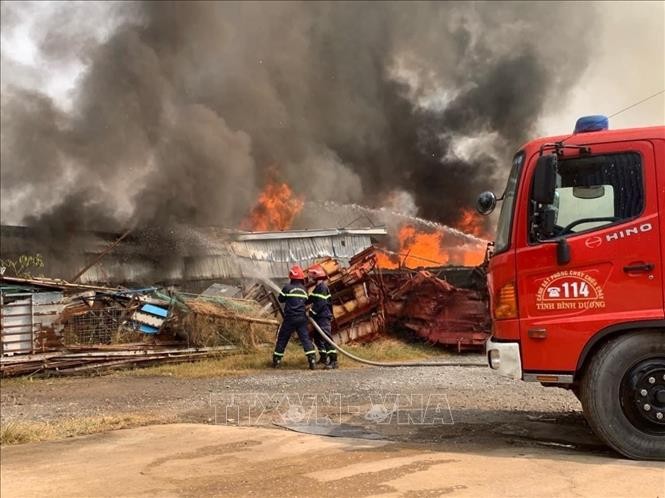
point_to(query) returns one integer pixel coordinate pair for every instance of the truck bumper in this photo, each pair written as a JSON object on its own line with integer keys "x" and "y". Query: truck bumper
{"x": 504, "y": 358}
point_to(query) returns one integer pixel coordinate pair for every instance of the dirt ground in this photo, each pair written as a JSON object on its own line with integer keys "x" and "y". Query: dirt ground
{"x": 204, "y": 460}
{"x": 480, "y": 407}
{"x": 425, "y": 431}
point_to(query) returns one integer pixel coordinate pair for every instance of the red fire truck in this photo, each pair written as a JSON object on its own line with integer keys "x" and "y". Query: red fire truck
{"x": 576, "y": 277}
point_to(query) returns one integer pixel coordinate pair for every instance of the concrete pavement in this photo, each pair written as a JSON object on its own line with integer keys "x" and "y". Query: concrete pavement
{"x": 196, "y": 459}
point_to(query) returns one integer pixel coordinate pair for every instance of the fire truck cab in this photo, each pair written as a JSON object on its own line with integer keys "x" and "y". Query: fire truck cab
{"x": 576, "y": 277}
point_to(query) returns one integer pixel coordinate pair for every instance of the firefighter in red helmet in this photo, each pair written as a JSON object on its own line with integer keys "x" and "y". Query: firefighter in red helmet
{"x": 322, "y": 314}
{"x": 294, "y": 296}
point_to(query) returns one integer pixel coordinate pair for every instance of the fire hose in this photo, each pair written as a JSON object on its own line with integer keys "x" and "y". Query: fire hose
{"x": 353, "y": 357}
{"x": 391, "y": 364}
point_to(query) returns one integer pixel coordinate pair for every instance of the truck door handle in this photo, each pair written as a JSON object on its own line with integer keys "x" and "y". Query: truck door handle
{"x": 639, "y": 267}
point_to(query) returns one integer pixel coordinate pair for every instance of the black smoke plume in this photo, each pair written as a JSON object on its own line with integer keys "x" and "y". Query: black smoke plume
{"x": 185, "y": 104}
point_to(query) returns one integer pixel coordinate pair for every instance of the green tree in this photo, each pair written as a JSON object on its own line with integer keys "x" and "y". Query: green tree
{"x": 22, "y": 267}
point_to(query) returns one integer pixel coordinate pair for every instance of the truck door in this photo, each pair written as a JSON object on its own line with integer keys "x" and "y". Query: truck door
{"x": 614, "y": 274}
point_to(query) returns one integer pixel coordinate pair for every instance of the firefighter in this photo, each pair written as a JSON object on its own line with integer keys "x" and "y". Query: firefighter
{"x": 294, "y": 296}
{"x": 322, "y": 314}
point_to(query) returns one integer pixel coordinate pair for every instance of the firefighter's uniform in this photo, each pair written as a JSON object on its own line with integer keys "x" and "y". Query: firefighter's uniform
{"x": 322, "y": 314}
{"x": 294, "y": 296}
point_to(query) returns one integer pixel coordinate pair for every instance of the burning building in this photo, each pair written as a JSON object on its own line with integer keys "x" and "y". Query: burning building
{"x": 192, "y": 257}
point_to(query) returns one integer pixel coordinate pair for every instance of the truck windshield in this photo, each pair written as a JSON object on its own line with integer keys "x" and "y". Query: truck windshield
{"x": 502, "y": 240}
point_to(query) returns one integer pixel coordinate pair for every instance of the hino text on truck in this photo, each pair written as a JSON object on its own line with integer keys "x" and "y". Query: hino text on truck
{"x": 576, "y": 277}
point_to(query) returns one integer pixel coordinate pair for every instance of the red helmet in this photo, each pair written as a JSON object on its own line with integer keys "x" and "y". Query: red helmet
{"x": 296, "y": 273}
{"x": 317, "y": 272}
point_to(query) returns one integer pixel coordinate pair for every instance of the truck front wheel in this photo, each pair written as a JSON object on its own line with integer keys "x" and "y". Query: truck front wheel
{"x": 623, "y": 394}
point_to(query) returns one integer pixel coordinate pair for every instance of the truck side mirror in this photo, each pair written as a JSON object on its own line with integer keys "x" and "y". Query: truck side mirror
{"x": 544, "y": 179}
{"x": 486, "y": 203}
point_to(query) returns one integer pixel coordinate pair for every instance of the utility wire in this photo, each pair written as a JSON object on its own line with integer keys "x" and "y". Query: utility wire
{"x": 622, "y": 110}
{"x": 636, "y": 104}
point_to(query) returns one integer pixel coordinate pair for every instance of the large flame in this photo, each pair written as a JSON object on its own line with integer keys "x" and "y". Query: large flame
{"x": 418, "y": 248}
{"x": 275, "y": 209}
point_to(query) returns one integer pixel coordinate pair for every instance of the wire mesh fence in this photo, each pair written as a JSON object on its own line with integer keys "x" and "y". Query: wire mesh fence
{"x": 102, "y": 325}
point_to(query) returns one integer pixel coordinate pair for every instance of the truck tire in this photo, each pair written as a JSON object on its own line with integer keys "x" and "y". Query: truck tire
{"x": 623, "y": 393}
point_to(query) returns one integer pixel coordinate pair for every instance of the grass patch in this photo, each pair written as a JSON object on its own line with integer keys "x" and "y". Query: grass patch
{"x": 385, "y": 349}
{"x": 257, "y": 359}
{"x": 18, "y": 381}
{"x": 19, "y": 432}
{"x": 388, "y": 349}
{"x": 223, "y": 366}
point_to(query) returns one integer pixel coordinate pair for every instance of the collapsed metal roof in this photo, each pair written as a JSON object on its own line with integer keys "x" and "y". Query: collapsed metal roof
{"x": 209, "y": 253}
{"x": 307, "y": 234}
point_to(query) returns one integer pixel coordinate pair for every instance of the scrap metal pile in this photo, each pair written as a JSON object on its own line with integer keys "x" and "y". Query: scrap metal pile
{"x": 52, "y": 326}
{"x": 446, "y": 306}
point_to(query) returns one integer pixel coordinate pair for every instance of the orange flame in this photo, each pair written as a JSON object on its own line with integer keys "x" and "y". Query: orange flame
{"x": 416, "y": 249}
{"x": 428, "y": 249}
{"x": 473, "y": 257}
{"x": 275, "y": 209}
{"x": 472, "y": 223}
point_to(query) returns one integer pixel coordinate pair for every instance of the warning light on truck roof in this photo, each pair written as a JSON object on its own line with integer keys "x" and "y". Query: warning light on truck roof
{"x": 586, "y": 124}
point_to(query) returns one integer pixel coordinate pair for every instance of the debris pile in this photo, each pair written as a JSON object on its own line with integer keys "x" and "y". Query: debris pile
{"x": 103, "y": 358}
{"x": 356, "y": 298}
{"x": 446, "y": 305}
{"x": 52, "y": 326}
{"x": 437, "y": 311}
{"x": 203, "y": 323}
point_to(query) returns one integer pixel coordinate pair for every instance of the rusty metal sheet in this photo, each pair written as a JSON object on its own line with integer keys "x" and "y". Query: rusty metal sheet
{"x": 368, "y": 301}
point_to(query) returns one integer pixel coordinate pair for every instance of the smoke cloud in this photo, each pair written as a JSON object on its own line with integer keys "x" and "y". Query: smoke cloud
{"x": 180, "y": 108}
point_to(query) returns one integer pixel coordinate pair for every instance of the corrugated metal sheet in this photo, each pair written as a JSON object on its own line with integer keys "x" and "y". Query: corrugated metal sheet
{"x": 308, "y": 234}
{"x": 290, "y": 250}
{"x": 204, "y": 254}
{"x": 272, "y": 258}
{"x": 16, "y": 326}
{"x": 29, "y": 320}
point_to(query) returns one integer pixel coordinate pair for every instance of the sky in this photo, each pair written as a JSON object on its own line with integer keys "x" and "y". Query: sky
{"x": 628, "y": 65}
